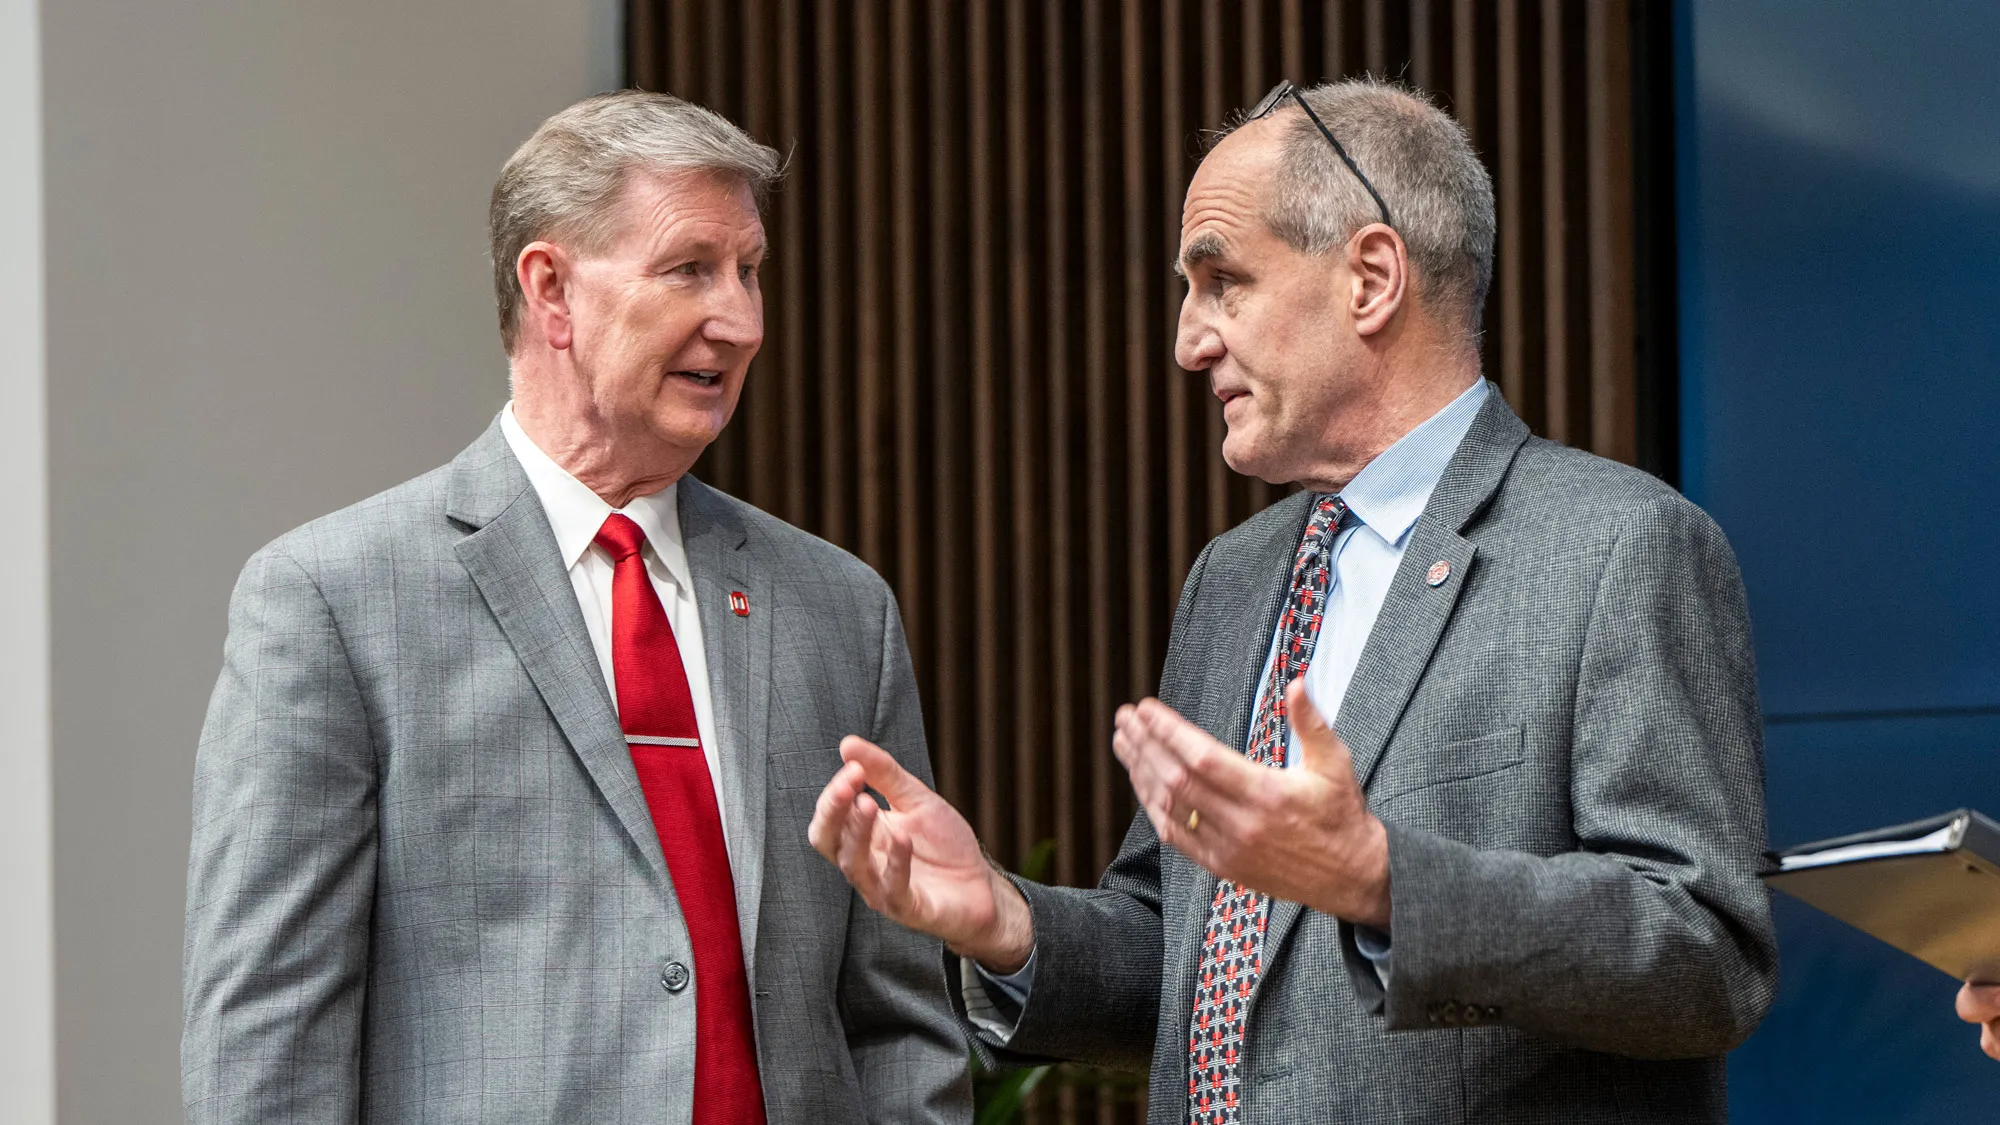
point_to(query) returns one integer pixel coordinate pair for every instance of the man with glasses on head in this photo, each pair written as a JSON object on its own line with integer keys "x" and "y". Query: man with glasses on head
{"x": 1453, "y": 791}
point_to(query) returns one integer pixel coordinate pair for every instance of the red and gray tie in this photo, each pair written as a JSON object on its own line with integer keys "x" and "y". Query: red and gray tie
{"x": 656, "y": 711}
{"x": 1232, "y": 951}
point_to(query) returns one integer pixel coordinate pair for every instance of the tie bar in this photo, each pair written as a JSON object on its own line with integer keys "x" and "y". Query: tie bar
{"x": 658, "y": 740}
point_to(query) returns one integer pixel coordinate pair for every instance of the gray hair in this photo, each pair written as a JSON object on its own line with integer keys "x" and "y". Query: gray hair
{"x": 564, "y": 182}
{"x": 1438, "y": 193}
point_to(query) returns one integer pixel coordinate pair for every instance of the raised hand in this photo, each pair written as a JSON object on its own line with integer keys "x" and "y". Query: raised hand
{"x": 1303, "y": 833}
{"x": 918, "y": 861}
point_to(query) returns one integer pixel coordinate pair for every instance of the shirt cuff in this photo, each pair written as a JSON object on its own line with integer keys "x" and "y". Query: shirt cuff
{"x": 993, "y": 1003}
{"x": 1376, "y": 946}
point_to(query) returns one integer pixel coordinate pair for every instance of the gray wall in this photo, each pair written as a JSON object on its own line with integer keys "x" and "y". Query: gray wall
{"x": 26, "y": 1020}
{"x": 267, "y": 298}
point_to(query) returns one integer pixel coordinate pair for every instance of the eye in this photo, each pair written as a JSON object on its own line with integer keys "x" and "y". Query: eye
{"x": 747, "y": 273}
{"x": 687, "y": 269}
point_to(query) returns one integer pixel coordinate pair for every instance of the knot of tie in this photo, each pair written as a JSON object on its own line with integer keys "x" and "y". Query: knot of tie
{"x": 620, "y": 537}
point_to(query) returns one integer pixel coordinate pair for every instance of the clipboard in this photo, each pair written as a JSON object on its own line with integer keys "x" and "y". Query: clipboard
{"x": 1931, "y": 888}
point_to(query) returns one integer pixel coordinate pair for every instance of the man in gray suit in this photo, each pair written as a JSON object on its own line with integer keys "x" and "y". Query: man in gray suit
{"x": 500, "y": 810}
{"x": 1509, "y": 872}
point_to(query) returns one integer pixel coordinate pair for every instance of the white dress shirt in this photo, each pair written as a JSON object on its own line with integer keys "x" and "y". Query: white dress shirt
{"x": 575, "y": 515}
{"x": 1385, "y": 497}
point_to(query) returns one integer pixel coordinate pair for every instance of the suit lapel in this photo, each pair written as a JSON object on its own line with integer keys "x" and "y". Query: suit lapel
{"x": 1416, "y": 609}
{"x": 512, "y": 557}
{"x": 739, "y": 662}
{"x": 1415, "y": 612}
{"x": 1394, "y": 659}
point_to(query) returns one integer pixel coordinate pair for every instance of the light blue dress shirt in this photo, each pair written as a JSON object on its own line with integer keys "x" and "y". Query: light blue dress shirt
{"x": 1385, "y": 497}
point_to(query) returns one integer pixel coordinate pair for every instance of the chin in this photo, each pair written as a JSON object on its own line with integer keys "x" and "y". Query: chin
{"x": 1242, "y": 453}
{"x": 689, "y": 425}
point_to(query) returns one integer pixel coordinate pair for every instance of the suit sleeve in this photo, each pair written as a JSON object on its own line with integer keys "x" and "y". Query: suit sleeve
{"x": 1653, "y": 938}
{"x": 909, "y": 1054}
{"x": 281, "y": 872}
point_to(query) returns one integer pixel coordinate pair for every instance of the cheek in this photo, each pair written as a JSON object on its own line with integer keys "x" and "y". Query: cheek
{"x": 656, "y": 325}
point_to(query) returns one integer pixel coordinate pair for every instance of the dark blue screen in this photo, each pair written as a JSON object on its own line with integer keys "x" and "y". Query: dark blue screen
{"x": 1839, "y": 224}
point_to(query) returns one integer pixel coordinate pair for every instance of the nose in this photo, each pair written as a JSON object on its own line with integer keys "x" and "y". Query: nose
{"x": 736, "y": 314}
{"x": 1197, "y": 345}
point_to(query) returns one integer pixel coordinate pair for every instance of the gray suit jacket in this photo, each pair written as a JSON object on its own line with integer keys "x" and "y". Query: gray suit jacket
{"x": 425, "y": 885}
{"x": 1563, "y": 739}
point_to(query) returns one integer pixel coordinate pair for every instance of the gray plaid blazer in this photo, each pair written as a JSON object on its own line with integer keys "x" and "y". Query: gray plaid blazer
{"x": 1563, "y": 739}
{"x": 424, "y": 883}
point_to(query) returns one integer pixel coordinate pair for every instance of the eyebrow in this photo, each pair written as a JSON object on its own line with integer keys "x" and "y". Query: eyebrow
{"x": 1204, "y": 246}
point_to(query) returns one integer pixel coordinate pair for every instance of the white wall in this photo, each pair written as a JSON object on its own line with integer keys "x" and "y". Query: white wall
{"x": 26, "y": 995}
{"x": 267, "y": 298}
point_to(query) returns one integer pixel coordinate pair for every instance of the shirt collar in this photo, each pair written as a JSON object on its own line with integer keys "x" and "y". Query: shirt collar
{"x": 1390, "y": 492}
{"x": 576, "y": 513}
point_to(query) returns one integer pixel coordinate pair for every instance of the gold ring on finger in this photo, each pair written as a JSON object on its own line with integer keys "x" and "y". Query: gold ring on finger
{"x": 1194, "y": 819}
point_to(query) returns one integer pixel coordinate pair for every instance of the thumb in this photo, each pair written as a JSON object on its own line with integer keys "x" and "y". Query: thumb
{"x": 1320, "y": 749}
{"x": 883, "y": 772}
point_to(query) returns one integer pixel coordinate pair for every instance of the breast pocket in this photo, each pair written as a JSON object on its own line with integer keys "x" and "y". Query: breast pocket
{"x": 804, "y": 769}
{"x": 1465, "y": 789}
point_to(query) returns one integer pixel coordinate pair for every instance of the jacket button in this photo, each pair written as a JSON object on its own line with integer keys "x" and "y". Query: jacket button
{"x": 675, "y": 977}
{"x": 1471, "y": 1014}
{"x": 1492, "y": 1013}
{"x": 1450, "y": 1014}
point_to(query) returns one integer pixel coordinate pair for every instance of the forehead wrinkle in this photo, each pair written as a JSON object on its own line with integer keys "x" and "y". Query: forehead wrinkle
{"x": 684, "y": 222}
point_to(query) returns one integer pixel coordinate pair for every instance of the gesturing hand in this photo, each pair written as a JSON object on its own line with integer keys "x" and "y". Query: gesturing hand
{"x": 1303, "y": 834}
{"x": 918, "y": 861}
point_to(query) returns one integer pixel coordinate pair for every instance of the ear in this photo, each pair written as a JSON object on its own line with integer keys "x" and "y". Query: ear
{"x": 1380, "y": 267}
{"x": 543, "y": 270}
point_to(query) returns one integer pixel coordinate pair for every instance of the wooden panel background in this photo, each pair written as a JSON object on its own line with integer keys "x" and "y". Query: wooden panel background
{"x": 968, "y": 375}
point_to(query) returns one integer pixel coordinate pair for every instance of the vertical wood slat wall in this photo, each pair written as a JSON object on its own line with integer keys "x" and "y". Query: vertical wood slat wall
{"x": 967, "y": 377}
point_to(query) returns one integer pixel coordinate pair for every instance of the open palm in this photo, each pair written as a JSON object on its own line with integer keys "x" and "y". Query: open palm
{"x": 918, "y": 861}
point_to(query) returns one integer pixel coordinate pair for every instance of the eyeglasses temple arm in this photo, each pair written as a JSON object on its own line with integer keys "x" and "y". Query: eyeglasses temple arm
{"x": 1351, "y": 165}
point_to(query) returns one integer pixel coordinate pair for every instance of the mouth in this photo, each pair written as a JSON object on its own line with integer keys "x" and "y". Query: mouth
{"x": 1230, "y": 394}
{"x": 700, "y": 378}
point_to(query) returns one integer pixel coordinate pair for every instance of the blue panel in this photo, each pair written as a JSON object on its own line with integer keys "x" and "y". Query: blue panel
{"x": 1841, "y": 303}
{"x": 1862, "y": 1032}
{"x": 1839, "y": 209}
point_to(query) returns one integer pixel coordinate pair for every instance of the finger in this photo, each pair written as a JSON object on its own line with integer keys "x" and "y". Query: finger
{"x": 1989, "y": 1039}
{"x": 831, "y": 811}
{"x": 893, "y": 871}
{"x": 1148, "y": 783}
{"x": 1320, "y": 749}
{"x": 883, "y": 772}
{"x": 856, "y": 844}
{"x": 1153, "y": 794}
{"x": 1979, "y": 1003}
{"x": 1207, "y": 769}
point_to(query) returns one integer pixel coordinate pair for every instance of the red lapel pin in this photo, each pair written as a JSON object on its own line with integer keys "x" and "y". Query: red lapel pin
{"x": 739, "y": 603}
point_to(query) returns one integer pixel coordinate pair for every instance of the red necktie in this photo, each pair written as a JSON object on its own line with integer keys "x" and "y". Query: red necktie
{"x": 1232, "y": 948}
{"x": 654, "y": 705}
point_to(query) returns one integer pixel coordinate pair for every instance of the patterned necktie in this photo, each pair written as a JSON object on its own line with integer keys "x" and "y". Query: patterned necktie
{"x": 656, "y": 710}
{"x": 1232, "y": 949}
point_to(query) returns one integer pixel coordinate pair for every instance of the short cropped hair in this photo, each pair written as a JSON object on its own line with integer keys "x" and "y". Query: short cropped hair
{"x": 1439, "y": 195}
{"x": 564, "y": 183}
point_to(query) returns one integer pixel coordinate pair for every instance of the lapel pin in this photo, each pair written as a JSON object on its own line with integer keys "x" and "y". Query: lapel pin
{"x": 739, "y": 603}
{"x": 1440, "y": 570}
